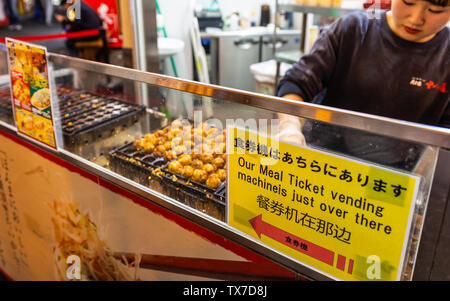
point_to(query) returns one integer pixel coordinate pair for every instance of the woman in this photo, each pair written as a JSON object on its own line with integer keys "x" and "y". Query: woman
{"x": 395, "y": 66}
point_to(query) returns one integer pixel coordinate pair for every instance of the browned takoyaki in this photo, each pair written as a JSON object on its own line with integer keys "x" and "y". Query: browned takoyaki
{"x": 222, "y": 174}
{"x": 209, "y": 168}
{"x": 199, "y": 175}
{"x": 187, "y": 171}
{"x": 197, "y": 164}
{"x": 185, "y": 159}
{"x": 218, "y": 162}
{"x": 213, "y": 181}
{"x": 175, "y": 167}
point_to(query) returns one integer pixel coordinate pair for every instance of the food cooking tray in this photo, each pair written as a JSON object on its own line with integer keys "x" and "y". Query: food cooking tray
{"x": 194, "y": 187}
{"x": 139, "y": 166}
{"x": 86, "y": 117}
{"x": 194, "y": 194}
{"x": 134, "y": 164}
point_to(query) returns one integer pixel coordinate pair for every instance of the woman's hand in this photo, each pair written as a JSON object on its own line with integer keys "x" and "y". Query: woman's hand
{"x": 290, "y": 127}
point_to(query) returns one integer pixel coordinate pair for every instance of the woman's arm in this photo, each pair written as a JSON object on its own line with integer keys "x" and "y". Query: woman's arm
{"x": 290, "y": 127}
{"x": 308, "y": 77}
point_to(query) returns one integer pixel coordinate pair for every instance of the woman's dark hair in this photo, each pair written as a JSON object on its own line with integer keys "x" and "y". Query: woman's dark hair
{"x": 443, "y": 3}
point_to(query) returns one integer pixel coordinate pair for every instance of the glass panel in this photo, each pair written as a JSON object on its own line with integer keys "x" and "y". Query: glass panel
{"x": 152, "y": 136}
{"x": 6, "y": 114}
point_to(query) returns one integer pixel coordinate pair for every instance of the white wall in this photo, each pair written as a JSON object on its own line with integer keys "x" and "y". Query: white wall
{"x": 177, "y": 25}
{"x": 177, "y": 20}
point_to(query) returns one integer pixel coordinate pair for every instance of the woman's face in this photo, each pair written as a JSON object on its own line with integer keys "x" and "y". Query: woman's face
{"x": 417, "y": 20}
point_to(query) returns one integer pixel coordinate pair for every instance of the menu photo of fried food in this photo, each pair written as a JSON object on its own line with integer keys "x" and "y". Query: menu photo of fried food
{"x": 24, "y": 120}
{"x": 21, "y": 93}
{"x": 41, "y": 99}
{"x": 39, "y": 61}
{"x": 43, "y": 130}
{"x": 23, "y": 61}
{"x": 77, "y": 235}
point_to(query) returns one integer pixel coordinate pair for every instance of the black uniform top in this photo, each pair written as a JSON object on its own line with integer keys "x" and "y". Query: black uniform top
{"x": 360, "y": 64}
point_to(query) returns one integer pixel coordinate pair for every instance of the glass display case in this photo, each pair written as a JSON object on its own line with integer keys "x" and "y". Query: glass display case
{"x": 167, "y": 140}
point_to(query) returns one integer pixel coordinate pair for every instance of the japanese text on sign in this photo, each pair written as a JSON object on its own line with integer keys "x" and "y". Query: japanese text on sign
{"x": 348, "y": 210}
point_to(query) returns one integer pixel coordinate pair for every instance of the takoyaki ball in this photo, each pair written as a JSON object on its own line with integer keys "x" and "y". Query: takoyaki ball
{"x": 197, "y": 149}
{"x": 198, "y": 131}
{"x": 139, "y": 144}
{"x": 222, "y": 174}
{"x": 219, "y": 139}
{"x": 187, "y": 129}
{"x": 209, "y": 168}
{"x": 175, "y": 167}
{"x": 186, "y": 136}
{"x": 187, "y": 171}
{"x": 206, "y": 149}
{"x": 149, "y": 136}
{"x": 174, "y": 132}
{"x": 170, "y": 135}
{"x": 220, "y": 148}
{"x": 148, "y": 147}
{"x": 180, "y": 149}
{"x": 197, "y": 164}
{"x": 167, "y": 145}
{"x": 198, "y": 138}
{"x": 203, "y": 126}
{"x": 159, "y": 133}
{"x": 159, "y": 150}
{"x": 195, "y": 156}
{"x": 224, "y": 157}
{"x": 185, "y": 159}
{"x": 206, "y": 158}
{"x": 189, "y": 144}
{"x": 201, "y": 149}
{"x": 216, "y": 150}
{"x": 170, "y": 155}
{"x": 212, "y": 133}
{"x": 176, "y": 142}
{"x": 199, "y": 175}
{"x": 161, "y": 140}
{"x": 213, "y": 181}
{"x": 218, "y": 162}
{"x": 223, "y": 148}
{"x": 211, "y": 143}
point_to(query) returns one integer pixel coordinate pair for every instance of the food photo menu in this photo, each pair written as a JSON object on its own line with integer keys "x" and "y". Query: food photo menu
{"x": 31, "y": 96}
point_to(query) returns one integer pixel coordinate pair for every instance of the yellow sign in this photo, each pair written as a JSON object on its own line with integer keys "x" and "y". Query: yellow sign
{"x": 30, "y": 91}
{"x": 348, "y": 219}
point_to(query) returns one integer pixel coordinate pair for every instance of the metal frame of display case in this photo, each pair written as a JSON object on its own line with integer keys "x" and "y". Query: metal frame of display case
{"x": 430, "y": 135}
{"x": 415, "y": 132}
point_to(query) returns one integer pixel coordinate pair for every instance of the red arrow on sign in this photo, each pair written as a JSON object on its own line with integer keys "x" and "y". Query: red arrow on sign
{"x": 291, "y": 241}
